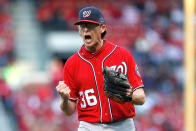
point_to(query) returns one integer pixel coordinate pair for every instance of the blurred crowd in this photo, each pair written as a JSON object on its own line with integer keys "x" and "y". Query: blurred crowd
{"x": 151, "y": 29}
{"x": 6, "y": 33}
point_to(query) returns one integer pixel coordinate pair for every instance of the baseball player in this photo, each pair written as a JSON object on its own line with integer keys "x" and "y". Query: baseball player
{"x": 101, "y": 80}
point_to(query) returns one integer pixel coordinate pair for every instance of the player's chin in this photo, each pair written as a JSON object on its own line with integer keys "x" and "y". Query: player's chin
{"x": 89, "y": 44}
{"x": 88, "y": 41}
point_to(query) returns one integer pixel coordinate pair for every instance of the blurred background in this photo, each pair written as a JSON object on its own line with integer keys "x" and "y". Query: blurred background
{"x": 37, "y": 37}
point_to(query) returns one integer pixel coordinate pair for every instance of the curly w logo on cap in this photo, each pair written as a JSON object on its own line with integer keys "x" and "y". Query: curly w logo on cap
{"x": 90, "y": 14}
{"x": 86, "y": 13}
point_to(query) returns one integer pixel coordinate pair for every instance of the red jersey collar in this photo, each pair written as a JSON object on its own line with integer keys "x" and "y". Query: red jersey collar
{"x": 90, "y": 55}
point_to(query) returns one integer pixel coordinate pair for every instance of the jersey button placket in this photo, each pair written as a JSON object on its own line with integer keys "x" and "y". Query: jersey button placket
{"x": 96, "y": 65}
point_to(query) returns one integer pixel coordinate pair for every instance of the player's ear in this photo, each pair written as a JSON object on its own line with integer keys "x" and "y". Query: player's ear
{"x": 103, "y": 28}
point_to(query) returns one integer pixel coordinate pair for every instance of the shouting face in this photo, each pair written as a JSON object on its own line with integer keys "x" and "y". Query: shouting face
{"x": 91, "y": 35}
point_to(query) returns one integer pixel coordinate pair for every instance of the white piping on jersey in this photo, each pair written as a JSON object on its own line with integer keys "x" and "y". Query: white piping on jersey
{"x": 95, "y": 83}
{"x": 138, "y": 88}
{"x": 102, "y": 68}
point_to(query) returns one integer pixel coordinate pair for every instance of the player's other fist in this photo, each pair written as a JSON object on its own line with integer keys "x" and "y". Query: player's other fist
{"x": 63, "y": 90}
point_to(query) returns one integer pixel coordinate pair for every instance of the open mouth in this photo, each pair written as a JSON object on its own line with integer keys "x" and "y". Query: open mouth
{"x": 87, "y": 37}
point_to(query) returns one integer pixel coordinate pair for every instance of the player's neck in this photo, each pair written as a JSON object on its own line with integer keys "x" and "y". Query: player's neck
{"x": 95, "y": 47}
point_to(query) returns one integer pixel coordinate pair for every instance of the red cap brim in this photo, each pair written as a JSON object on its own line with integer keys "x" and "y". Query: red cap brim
{"x": 90, "y": 21}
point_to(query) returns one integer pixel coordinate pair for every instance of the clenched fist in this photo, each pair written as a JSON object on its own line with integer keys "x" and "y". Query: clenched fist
{"x": 63, "y": 90}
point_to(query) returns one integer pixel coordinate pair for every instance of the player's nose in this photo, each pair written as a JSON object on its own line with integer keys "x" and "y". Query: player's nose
{"x": 85, "y": 29}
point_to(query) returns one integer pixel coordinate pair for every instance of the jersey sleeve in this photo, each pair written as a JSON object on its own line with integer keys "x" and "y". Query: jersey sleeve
{"x": 133, "y": 74}
{"x": 68, "y": 77}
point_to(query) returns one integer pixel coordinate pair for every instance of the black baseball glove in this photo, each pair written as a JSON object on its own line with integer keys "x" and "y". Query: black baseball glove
{"x": 116, "y": 85}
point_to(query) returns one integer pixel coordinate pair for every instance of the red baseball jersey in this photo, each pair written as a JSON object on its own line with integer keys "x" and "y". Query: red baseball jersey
{"x": 83, "y": 74}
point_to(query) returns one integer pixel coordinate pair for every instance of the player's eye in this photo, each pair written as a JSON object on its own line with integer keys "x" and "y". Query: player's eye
{"x": 82, "y": 25}
{"x": 89, "y": 25}
{"x": 93, "y": 25}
